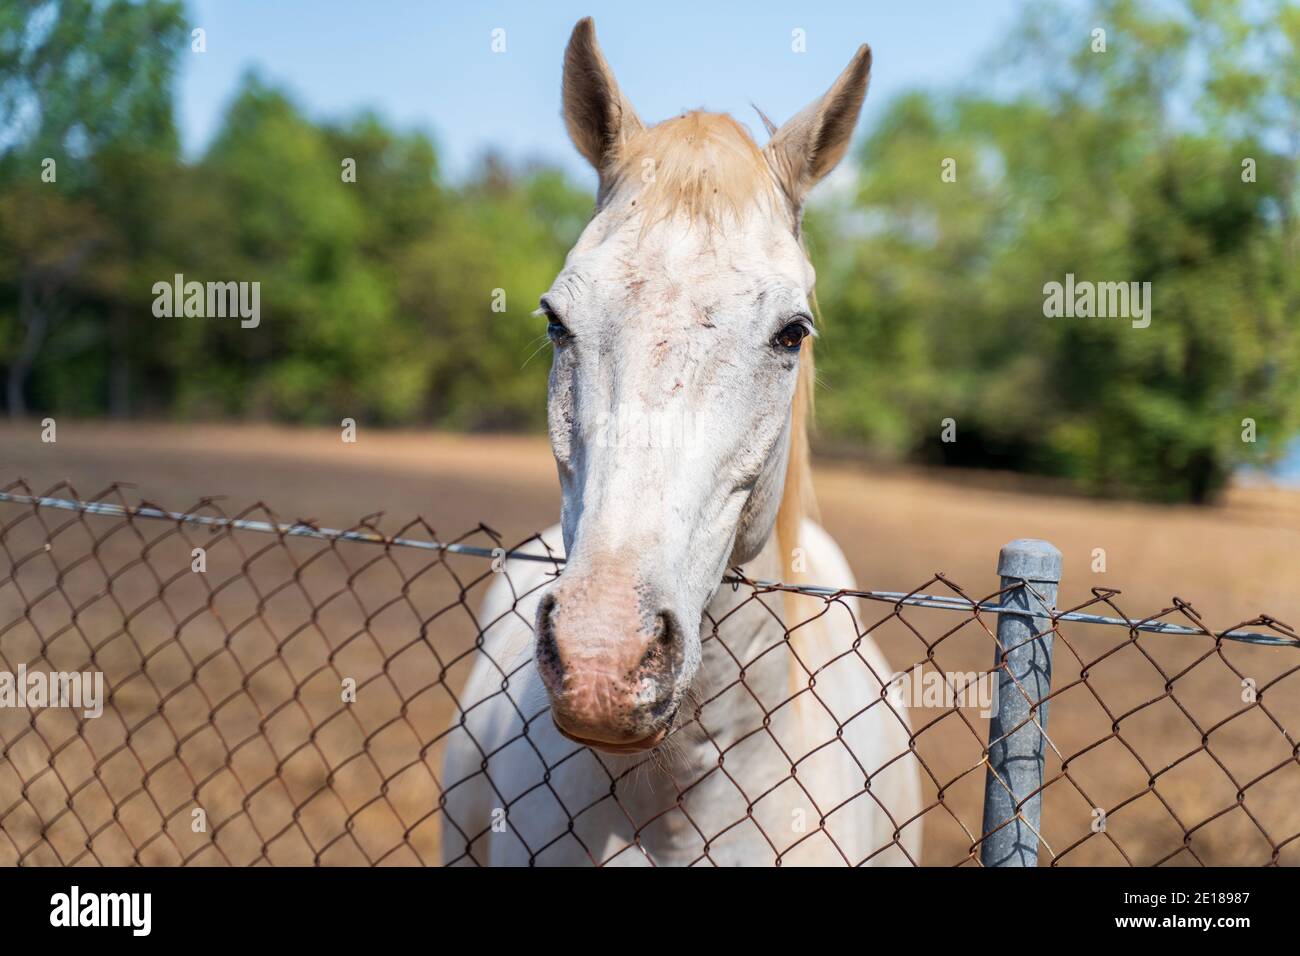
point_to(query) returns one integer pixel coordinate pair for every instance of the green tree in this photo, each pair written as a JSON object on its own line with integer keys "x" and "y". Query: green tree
{"x": 935, "y": 306}
{"x": 86, "y": 103}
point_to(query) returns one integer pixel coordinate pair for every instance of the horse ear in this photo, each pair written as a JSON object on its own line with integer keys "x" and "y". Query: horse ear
{"x": 810, "y": 145}
{"x": 598, "y": 116}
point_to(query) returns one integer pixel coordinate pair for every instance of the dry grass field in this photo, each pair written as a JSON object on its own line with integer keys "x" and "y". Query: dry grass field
{"x": 226, "y": 685}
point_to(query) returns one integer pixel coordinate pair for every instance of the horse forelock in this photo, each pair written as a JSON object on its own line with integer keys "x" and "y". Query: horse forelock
{"x": 703, "y": 166}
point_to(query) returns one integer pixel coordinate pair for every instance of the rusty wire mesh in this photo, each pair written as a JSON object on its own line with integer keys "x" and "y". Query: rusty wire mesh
{"x": 223, "y": 695}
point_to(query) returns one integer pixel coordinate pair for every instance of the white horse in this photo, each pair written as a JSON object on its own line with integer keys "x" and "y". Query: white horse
{"x": 635, "y": 709}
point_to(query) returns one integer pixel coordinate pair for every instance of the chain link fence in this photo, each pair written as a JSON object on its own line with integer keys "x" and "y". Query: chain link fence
{"x": 279, "y": 693}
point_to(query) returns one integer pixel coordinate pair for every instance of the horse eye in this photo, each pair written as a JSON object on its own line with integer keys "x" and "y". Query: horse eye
{"x": 556, "y": 330}
{"x": 792, "y": 336}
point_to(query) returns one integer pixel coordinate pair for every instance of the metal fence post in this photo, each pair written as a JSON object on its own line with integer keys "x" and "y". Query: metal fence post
{"x": 1016, "y": 758}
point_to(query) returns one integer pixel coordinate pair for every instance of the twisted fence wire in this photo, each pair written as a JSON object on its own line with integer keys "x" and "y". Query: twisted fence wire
{"x": 225, "y": 738}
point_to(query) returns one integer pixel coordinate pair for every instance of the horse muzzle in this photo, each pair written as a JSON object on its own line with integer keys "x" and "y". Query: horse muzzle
{"x": 615, "y": 675}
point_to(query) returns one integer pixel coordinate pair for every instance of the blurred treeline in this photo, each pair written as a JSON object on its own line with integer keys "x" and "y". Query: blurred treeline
{"x": 377, "y": 296}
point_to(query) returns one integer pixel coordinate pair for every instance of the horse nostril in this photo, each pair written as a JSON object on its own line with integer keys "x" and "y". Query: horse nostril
{"x": 548, "y": 651}
{"x": 665, "y": 628}
{"x": 662, "y": 653}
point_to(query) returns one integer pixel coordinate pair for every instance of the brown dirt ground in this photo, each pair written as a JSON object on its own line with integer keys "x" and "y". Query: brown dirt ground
{"x": 360, "y": 791}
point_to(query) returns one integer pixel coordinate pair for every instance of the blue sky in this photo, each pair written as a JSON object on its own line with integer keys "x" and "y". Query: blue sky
{"x": 429, "y": 65}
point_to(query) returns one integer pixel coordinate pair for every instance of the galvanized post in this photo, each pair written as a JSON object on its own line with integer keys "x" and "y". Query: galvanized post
{"x": 1017, "y": 745}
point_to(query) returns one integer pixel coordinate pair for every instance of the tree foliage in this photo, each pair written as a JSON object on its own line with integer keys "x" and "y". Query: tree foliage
{"x": 934, "y": 290}
{"x": 402, "y": 298}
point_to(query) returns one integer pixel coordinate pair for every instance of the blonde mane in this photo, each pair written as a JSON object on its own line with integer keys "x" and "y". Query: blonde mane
{"x": 707, "y": 168}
